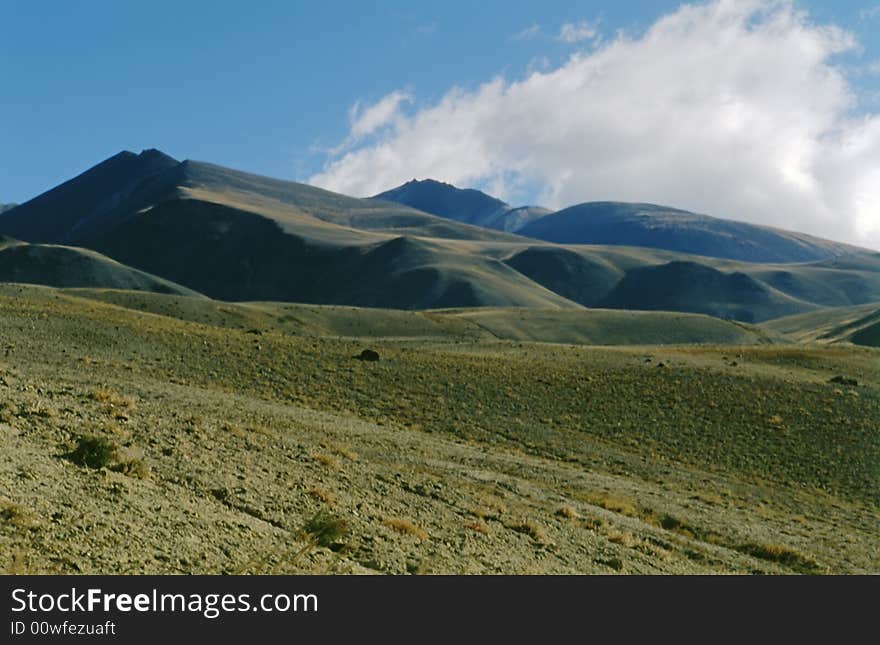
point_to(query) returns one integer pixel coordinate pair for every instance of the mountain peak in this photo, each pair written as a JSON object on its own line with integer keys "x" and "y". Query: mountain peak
{"x": 439, "y": 198}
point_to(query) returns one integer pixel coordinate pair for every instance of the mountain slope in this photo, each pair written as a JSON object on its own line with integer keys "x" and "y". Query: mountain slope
{"x": 462, "y": 204}
{"x": 652, "y": 226}
{"x": 6, "y": 207}
{"x": 61, "y": 266}
{"x": 236, "y": 236}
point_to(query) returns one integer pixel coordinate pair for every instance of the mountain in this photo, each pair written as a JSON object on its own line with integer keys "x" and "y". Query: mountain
{"x": 462, "y": 204}
{"x": 6, "y": 207}
{"x": 235, "y": 236}
{"x": 661, "y": 227}
{"x": 62, "y": 266}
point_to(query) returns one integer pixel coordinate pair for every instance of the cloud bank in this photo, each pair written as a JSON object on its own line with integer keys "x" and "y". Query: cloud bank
{"x": 734, "y": 108}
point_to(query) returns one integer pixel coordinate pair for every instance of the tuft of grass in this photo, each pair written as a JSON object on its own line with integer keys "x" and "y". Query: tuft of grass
{"x": 321, "y": 495}
{"x": 135, "y": 467}
{"x": 477, "y": 526}
{"x": 17, "y": 564}
{"x": 15, "y": 515}
{"x": 93, "y": 452}
{"x": 568, "y": 513}
{"x": 610, "y": 502}
{"x": 532, "y": 529}
{"x": 783, "y": 555}
{"x": 118, "y": 406}
{"x": 405, "y": 526}
{"x": 327, "y": 460}
{"x": 623, "y": 538}
{"x": 324, "y": 529}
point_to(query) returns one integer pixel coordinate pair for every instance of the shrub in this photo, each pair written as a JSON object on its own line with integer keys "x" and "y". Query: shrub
{"x": 93, "y": 452}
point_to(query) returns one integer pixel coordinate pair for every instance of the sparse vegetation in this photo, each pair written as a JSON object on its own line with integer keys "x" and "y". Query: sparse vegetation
{"x": 475, "y": 436}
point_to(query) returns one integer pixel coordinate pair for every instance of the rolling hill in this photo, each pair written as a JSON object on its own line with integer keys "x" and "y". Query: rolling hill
{"x": 661, "y": 227}
{"x": 462, "y": 204}
{"x": 62, "y": 266}
{"x": 858, "y": 325}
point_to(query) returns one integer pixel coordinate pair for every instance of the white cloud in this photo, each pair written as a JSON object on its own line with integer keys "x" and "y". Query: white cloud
{"x": 528, "y": 33}
{"x": 365, "y": 121}
{"x": 576, "y": 32}
{"x": 733, "y": 108}
{"x": 874, "y": 68}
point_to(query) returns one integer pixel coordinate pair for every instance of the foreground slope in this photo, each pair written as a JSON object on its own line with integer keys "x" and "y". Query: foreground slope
{"x": 483, "y": 456}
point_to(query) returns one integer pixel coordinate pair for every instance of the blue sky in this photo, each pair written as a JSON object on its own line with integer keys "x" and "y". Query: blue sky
{"x": 270, "y": 87}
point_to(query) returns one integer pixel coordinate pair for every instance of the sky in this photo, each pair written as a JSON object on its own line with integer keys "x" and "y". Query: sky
{"x": 766, "y": 111}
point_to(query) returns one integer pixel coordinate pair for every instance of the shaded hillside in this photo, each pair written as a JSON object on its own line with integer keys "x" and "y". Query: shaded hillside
{"x": 462, "y": 204}
{"x": 61, "y": 266}
{"x": 583, "y": 278}
{"x": 694, "y": 287}
{"x": 661, "y": 227}
{"x": 245, "y": 256}
{"x": 6, "y": 207}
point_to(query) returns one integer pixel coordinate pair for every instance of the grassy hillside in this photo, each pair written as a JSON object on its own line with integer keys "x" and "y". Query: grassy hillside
{"x": 444, "y": 456}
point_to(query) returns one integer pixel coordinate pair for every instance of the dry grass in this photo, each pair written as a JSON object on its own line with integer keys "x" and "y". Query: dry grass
{"x": 623, "y": 538}
{"x": 322, "y": 495}
{"x": 477, "y": 526}
{"x": 135, "y": 467}
{"x": 568, "y": 513}
{"x": 344, "y": 451}
{"x": 327, "y": 460}
{"x": 406, "y": 527}
{"x": 111, "y": 397}
{"x": 15, "y": 515}
{"x": 610, "y": 502}
{"x": 532, "y": 529}
{"x": 17, "y": 564}
{"x": 783, "y": 555}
